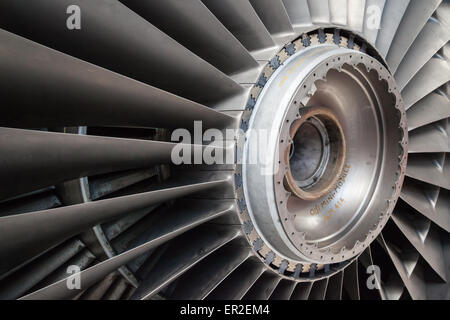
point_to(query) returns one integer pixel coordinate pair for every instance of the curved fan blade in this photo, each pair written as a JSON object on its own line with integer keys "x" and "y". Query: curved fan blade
{"x": 431, "y": 39}
{"x": 432, "y": 108}
{"x": 201, "y": 280}
{"x": 415, "y": 18}
{"x": 32, "y": 160}
{"x": 393, "y": 12}
{"x": 241, "y": 19}
{"x": 320, "y": 13}
{"x": 39, "y": 231}
{"x": 186, "y": 218}
{"x": 90, "y": 95}
{"x": 182, "y": 254}
{"x": 196, "y": 28}
{"x": 136, "y": 48}
{"x": 299, "y": 14}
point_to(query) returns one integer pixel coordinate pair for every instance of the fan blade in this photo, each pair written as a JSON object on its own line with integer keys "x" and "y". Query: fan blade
{"x": 298, "y": 12}
{"x": 90, "y": 95}
{"x": 425, "y": 239}
{"x": 430, "y": 40}
{"x": 338, "y": 12}
{"x": 319, "y": 290}
{"x": 434, "y": 74}
{"x": 195, "y": 27}
{"x": 284, "y": 290}
{"x": 274, "y": 16}
{"x": 320, "y": 12}
{"x": 136, "y": 48}
{"x": 166, "y": 228}
{"x": 335, "y": 286}
{"x": 393, "y": 12}
{"x": 116, "y": 290}
{"x": 302, "y": 291}
{"x": 415, "y": 18}
{"x": 430, "y": 138}
{"x": 405, "y": 267}
{"x": 263, "y": 288}
{"x": 33, "y": 160}
{"x": 355, "y": 14}
{"x": 203, "y": 278}
{"x": 43, "y": 229}
{"x": 432, "y": 202}
{"x": 372, "y": 21}
{"x": 351, "y": 282}
{"x": 82, "y": 260}
{"x": 97, "y": 291}
{"x": 237, "y": 284}
{"x": 104, "y": 185}
{"x": 434, "y": 107}
{"x": 430, "y": 168}
{"x": 182, "y": 254}
{"x": 240, "y": 18}
{"x": 30, "y": 275}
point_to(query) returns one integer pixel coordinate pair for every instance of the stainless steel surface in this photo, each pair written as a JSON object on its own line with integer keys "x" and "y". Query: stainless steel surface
{"x": 434, "y": 35}
{"x": 338, "y": 12}
{"x": 62, "y": 157}
{"x": 166, "y": 229}
{"x": 130, "y": 43}
{"x": 414, "y": 20}
{"x": 434, "y": 74}
{"x": 320, "y": 13}
{"x": 392, "y": 16}
{"x": 74, "y": 219}
{"x": 90, "y": 95}
{"x": 240, "y": 18}
{"x": 299, "y": 13}
{"x": 370, "y": 27}
{"x": 274, "y": 16}
{"x": 195, "y": 27}
{"x": 355, "y": 15}
{"x": 288, "y": 222}
{"x": 433, "y": 108}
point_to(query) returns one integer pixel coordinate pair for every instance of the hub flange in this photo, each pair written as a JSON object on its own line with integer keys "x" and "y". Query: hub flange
{"x": 331, "y": 169}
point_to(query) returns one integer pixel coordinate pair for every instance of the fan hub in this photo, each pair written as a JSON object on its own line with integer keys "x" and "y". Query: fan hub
{"x": 316, "y": 156}
{"x": 330, "y": 138}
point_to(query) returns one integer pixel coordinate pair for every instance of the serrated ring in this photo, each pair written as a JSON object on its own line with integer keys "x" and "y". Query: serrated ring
{"x": 300, "y": 248}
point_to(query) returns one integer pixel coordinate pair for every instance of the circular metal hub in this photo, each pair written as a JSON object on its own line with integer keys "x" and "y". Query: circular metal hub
{"x": 330, "y": 171}
{"x": 316, "y": 156}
